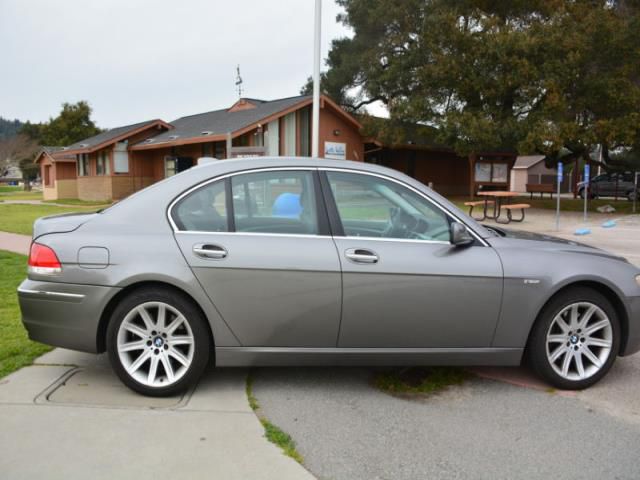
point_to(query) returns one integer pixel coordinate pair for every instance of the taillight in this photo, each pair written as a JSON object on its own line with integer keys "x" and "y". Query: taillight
{"x": 43, "y": 260}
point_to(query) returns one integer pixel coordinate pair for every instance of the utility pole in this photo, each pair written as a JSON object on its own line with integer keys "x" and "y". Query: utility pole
{"x": 315, "y": 120}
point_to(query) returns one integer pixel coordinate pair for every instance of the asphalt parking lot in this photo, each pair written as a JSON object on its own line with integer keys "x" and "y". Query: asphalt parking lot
{"x": 503, "y": 423}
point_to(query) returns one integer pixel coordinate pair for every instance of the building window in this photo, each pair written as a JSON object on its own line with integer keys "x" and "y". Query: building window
{"x": 121, "y": 158}
{"x": 83, "y": 165}
{"x": 170, "y": 164}
{"x": 207, "y": 149}
{"x": 102, "y": 163}
{"x": 305, "y": 132}
{"x": 273, "y": 138}
{"x": 220, "y": 150}
{"x": 290, "y": 134}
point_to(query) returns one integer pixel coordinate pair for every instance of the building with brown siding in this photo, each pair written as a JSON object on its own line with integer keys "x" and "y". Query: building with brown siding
{"x": 102, "y": 166}
{"x": 249, "y": 127}
{"x": 58, "y": 173}
{"x": 120, "y": 161}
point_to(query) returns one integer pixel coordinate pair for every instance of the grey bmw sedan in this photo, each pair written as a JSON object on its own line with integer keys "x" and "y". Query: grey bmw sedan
{"x": 298, "y": 261}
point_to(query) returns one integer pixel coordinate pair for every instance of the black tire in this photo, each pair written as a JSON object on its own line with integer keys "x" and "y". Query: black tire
{"x": 631, "y": 195}
{"x": 536, "y": 352}
{"x": 201, "y": 346}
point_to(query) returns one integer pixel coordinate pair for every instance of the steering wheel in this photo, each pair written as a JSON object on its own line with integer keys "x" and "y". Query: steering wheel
{"x": 405, "y": 225}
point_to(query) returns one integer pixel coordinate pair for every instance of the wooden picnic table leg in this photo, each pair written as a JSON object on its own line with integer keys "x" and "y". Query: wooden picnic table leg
{"x": 492, "y": 216}
{"x": 498, "y": 207}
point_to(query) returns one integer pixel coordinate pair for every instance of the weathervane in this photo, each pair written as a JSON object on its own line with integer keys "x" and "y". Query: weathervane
{"x": 239, "y": 81}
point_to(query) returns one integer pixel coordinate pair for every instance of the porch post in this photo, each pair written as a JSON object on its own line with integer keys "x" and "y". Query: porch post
{"x": 228, "y": 145}
{"x": 472, "y": 168}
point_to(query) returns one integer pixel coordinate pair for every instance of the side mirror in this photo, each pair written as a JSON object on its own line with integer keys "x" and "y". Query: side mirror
{"x": 459, "y": 235}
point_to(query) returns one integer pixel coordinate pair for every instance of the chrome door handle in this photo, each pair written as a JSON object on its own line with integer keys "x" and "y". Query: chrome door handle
{"x": 361, "y": 255}
{"x": 207, "y": 250}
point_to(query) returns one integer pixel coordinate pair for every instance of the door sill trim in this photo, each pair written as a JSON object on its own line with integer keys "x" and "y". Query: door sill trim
{"x": 325, "y": 356}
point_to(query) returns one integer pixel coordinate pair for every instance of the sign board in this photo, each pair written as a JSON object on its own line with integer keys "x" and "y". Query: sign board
{"x": 335, "y": 150}
{"x": 247, "y": 152}
{"x": 587, "y": 169}
{"x": 560, "y": 171}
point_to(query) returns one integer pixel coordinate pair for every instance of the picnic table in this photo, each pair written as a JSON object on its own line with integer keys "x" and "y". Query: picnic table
{"x": 497, "y": 197}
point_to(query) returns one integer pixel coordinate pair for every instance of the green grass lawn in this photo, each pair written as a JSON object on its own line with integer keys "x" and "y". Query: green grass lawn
{"x": 75, "y": 201}
{"x": 17, "y": 218}
{"x": 16, "y": 350}
{"x": 17, "y": 193}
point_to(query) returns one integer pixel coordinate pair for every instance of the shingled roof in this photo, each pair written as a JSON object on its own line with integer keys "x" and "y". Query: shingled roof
{"x": 219, "y": 123}
{"x": 111, "y": 136}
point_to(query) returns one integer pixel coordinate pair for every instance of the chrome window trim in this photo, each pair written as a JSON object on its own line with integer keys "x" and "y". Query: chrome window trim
{"x": 321, "y": 169}
{"x": 307, "y": 235}
{"x": 447, "y": 212}
{"x": 252, "y": 234}
{"x": 222, "y": 177}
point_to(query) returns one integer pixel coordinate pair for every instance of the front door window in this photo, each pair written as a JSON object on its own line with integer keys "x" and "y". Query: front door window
{"x": 373, "y": 207}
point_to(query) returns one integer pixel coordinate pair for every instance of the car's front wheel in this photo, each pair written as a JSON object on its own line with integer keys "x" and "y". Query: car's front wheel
{"x": 158, "y": 342}
{"x": 575, "y": 339}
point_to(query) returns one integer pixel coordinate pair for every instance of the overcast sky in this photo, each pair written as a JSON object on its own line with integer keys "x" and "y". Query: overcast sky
{"x": 135, "y": 60}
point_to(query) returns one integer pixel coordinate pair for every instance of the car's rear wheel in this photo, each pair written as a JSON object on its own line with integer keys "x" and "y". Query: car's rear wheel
{"x": 631, "y": 196}
{"x": 575, "y": 339}
{"x": 158, "y": 342}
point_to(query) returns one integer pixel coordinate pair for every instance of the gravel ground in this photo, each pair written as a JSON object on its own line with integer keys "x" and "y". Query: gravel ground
{"x": 346, "y": 429}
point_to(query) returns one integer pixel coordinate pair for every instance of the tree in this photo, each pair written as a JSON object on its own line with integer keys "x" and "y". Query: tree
{"x": 14, "y": 149}
{"x": 70, "y": 126}
{"x": 523, "y": 76}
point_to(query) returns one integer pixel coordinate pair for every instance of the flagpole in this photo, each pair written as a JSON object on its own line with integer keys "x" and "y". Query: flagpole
{"x": 315, "y": 121}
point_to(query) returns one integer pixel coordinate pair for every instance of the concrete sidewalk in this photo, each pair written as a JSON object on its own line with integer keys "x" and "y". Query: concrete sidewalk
{"x": 14, "y": 242}
{"x": 69, "y": 417}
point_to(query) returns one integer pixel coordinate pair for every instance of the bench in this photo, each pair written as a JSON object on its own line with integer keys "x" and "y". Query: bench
{"x": 540, "y": 188}
{"x": 482, "y": 203}
{"x": 514, "y": 206}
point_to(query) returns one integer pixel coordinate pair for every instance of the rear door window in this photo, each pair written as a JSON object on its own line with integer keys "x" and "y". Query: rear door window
{"x": 203, "y": 210}
{"x": 275, "y": 202}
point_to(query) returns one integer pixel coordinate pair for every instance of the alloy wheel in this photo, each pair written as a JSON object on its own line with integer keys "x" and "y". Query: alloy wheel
{"x": 579, "y": 341}
{"x": 155, "y": 344}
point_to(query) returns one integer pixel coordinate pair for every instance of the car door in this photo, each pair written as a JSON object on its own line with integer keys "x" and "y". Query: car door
{"x": 404, "y": 284}
{"x": 603, "y": 185}
{"x": 258, "y": 243}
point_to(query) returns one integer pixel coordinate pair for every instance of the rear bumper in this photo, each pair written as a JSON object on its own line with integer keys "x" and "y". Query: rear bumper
{"x": 62, "y": 314}
{"x": 632, "y": 344}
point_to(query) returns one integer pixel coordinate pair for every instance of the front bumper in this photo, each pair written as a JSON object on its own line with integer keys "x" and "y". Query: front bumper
{"x": 62, "y": 314}
{"x": 632, "y": 344}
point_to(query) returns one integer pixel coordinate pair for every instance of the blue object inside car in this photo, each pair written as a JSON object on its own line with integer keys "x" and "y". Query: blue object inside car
{"x": 287, "y": 205}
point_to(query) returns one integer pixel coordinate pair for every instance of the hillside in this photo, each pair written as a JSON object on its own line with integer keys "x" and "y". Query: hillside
{"x": 9, "y": 128}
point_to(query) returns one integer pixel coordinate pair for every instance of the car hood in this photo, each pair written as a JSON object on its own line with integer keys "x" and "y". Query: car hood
{"x": 538, "y": 241}
{"x": 63, "y": 223}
